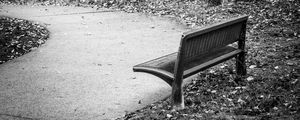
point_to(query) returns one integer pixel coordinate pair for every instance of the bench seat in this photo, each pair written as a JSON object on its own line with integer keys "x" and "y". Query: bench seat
{"x": 163, "y": 67}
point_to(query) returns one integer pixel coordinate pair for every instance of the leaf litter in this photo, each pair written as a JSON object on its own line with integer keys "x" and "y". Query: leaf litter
{"x": 18, "y": 37}
{"x": 271, "y": 89}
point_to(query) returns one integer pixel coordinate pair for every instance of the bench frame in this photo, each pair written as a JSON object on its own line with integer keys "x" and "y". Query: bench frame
{"x": 175, "y": 76}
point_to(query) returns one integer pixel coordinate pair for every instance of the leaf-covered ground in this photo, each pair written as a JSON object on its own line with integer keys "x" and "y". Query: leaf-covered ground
{"x": 18, "y": 37}
{"x": 271, "y": 89}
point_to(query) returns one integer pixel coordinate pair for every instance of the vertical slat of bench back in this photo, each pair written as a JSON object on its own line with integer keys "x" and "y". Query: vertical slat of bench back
{"x": 213, "y": 37}
{"x": 210, "y": 40}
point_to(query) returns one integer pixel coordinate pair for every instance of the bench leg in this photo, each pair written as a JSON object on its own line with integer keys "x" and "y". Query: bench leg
{"x": 177, "y": 96}
{"x": 240, "y": 58}
{"x": 240, "y": 64}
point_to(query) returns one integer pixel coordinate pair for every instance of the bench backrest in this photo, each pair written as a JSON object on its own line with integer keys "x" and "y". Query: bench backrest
{"x": 197, "y": 42}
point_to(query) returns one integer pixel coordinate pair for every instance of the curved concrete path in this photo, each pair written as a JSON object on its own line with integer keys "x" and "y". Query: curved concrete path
{"x": 84, "y": 71}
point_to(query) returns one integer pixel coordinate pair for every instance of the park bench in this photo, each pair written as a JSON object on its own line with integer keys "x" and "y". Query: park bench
{"x": 200, "y": 49}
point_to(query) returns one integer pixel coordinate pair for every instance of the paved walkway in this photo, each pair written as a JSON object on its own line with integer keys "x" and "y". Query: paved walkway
{"x": 84, "y": 71}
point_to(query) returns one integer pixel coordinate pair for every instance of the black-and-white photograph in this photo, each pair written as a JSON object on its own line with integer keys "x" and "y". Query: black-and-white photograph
{"x": 149, "y": 59}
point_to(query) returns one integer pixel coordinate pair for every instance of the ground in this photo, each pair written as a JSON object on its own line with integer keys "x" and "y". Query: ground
{"x": 271, "y": 88}
{"x": 19, "y": 37}
{"x": 84, "y": 69}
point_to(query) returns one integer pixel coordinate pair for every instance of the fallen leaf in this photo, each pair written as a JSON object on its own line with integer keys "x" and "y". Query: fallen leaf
{"x": 250, "y": 78}
{"x": 213, "y": 91}
{"x": 252, "y": 66}
{"x": 290, "y": 62}
{"x": 233, "y": 92}
{"x": 241, "y": 101}
{"x": 168, "y": 115}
